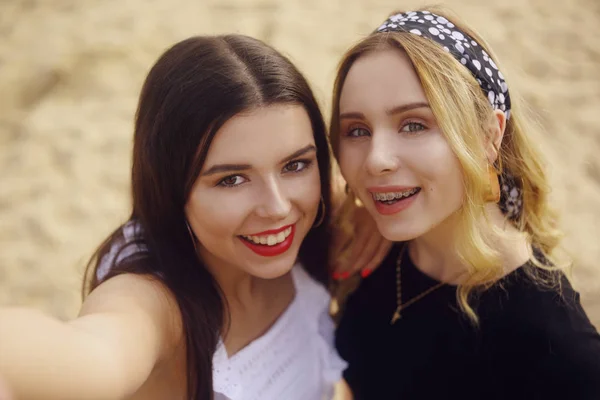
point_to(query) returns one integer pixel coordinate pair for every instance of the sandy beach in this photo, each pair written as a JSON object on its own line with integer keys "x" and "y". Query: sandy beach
{"x": 71, "y": 71}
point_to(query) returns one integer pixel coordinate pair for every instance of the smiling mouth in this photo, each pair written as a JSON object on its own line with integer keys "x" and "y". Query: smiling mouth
{"x": 270, "y": 243}
{"x": 390, "y": 198}
{"x": 270, "y": 239}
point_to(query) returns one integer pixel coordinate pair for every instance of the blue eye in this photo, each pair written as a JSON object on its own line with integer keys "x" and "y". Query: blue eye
{"x": 232, "y": 181}
{"x": 412, "y": 127}
{"x": 357, "y": 132}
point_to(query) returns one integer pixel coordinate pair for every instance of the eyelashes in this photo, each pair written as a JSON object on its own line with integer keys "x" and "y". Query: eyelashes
{"x": 409, "y": 127}
{"x": 231, "y": 181}
{"x": 292, "y": 167}
{"x": 298, "y": 165}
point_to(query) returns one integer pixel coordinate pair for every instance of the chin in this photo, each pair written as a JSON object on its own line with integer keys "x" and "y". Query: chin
{"x": 397, "y": 231}
{"x": 272, "y": 269}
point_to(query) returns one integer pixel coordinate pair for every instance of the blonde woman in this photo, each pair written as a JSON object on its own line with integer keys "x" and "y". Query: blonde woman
{"x": 472, "y": 302}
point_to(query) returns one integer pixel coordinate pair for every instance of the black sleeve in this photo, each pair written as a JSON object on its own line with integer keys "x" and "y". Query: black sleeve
{"x": 558, "y": 350}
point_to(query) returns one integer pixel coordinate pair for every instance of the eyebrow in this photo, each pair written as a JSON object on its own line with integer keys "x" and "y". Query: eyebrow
{"x": 220, "y": 168}
{"x": 390, "y": 112}
{"x": 301, "y": 152}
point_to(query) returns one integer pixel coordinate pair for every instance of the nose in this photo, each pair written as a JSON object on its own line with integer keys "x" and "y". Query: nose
{"x": 274, "y": 202}
{"x": 382, "y": 158}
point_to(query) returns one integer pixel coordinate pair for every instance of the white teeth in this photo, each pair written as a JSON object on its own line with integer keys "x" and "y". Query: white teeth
{"x": 393, "y": 195}
{"x": 270, "y": 240}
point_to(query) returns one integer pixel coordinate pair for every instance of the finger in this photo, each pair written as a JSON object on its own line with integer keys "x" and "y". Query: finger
{"x": 341, "y": 268}
{"x": 340, "y": 276}
{"x": 382, "y": 251}
{"x": 366, "y": 254}
{"x": 345, "y": 268}
{"x": 361, "y": 239}
{"x": 363, "y": 219}
{"x": 360, "y": 242}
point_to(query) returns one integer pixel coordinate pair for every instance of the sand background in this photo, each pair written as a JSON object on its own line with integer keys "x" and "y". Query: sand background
{"x": 71, "y": 71}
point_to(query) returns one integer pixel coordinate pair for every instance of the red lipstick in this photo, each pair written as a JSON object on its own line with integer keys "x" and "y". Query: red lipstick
{"x": 271, "y": 251}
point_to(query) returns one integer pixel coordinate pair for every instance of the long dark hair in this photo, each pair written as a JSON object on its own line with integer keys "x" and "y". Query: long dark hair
{"x": 191, "y": 91}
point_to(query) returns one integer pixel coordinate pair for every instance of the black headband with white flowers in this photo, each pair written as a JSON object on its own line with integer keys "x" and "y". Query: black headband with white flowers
{"x": 470, "y": 54}
{"x": 463, "y": 47}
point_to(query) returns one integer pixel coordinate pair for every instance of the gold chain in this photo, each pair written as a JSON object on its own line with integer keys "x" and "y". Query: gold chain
{"x": 399, "y": 305}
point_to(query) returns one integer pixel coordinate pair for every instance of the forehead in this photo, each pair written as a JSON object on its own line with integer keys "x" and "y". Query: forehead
{"x": 382, "y": 78}
{"x": 261, "y": 136}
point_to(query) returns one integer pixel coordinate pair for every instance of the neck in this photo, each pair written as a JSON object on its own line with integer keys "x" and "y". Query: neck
{"x": 253, "y": 304}
{"x": 241, "y": 290}
{"x": 434, "y": 253}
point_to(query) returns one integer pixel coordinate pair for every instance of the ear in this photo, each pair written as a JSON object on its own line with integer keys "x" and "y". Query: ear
{"x": 496, "y": 134}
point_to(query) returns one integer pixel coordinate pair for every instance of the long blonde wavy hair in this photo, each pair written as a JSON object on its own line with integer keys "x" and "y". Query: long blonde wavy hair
{"x": 464, "y": 115}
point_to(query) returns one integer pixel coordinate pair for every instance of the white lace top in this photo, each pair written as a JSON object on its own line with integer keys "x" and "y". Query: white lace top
{"x": 294, "y": 360}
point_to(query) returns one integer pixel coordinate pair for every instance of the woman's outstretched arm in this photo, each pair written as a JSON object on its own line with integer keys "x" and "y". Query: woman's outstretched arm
{"x": 125, "y": 326}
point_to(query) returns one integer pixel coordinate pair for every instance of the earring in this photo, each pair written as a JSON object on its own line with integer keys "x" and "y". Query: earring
{"x": 192, "y": 237}
{"x": 322, "y": 217}
{"x": 493, "y": 194}
{"x": 350, "y": 195}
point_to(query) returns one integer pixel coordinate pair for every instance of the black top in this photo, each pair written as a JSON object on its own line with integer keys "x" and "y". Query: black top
{"x": 531, "y": 343}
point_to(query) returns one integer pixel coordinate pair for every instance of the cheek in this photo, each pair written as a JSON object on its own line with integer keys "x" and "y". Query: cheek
{"x": 350, "y": 161}
{"x": 443, "y": 178}
{"x": 216, "y": 216}
{"x": 306, "y": 192}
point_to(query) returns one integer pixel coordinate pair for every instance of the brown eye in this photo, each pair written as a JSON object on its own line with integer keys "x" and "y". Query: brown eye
{"x": 296, "y": 166}
{"x": 231, "y": 181}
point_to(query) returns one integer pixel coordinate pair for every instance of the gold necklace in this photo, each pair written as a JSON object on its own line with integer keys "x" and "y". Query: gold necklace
{"x": 399, "y": 305}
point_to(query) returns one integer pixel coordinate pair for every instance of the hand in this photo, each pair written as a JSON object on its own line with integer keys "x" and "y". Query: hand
{"x": 367, "y": 248}
{"x": 342, "y": 391}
